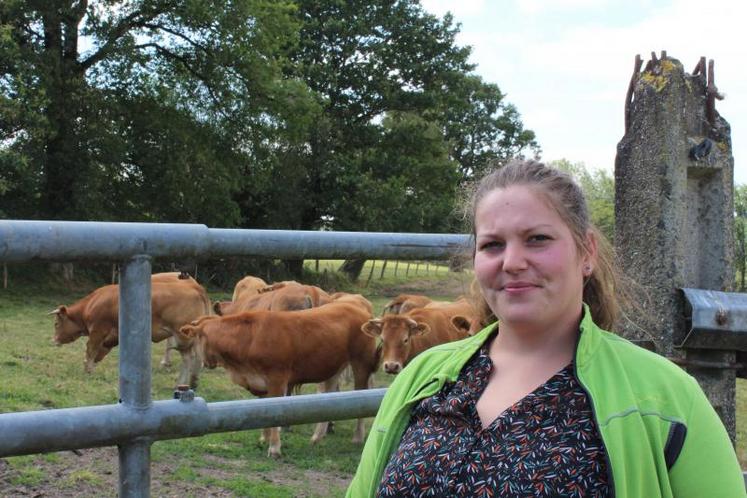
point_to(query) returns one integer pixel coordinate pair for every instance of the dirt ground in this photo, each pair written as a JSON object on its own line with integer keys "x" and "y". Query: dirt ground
{"x": 95, "y": 475}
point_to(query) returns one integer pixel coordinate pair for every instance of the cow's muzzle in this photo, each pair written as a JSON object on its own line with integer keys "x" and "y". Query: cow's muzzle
{"x": 392, "y": 367}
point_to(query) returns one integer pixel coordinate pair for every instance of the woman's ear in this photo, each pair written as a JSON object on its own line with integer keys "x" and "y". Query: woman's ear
{"x": 589, "y": 257}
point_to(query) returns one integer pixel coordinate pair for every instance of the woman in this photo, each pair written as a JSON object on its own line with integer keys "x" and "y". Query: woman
{"x": 544, "y": 402}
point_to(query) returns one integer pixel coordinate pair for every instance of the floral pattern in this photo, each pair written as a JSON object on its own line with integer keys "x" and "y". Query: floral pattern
{"x": 546, "y": 444}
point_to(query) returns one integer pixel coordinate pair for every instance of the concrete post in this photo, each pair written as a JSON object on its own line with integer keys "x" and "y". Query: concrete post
{"x": 673, "y": 211}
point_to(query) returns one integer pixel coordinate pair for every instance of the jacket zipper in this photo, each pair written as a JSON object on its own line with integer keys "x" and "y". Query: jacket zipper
{"x": 610, "y": 476}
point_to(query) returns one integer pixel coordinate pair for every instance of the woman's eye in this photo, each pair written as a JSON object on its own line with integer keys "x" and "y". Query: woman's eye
{"x": 539, "y": 238}
{"x": 493, "y": 244}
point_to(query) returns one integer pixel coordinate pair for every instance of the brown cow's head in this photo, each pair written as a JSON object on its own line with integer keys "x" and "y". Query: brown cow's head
{"x": 395, "y": 332}
{"x": 193, "y": 335}
{"x": 65, "y": 329}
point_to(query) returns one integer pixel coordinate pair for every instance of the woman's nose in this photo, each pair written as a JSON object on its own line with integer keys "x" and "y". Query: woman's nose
{"x": 514, "y": 258}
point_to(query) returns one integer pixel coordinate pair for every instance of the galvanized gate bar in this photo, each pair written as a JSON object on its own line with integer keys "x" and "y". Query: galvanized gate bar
{"x": 77, "y": 240}
{"x": 22, "y": 240}
{"x": 333, "y": 245}
{"x": 135, "y": 333}
{"x": 134, "y": 370}
{"x": 44, "y": 431}
{"x": 714, "y": 320}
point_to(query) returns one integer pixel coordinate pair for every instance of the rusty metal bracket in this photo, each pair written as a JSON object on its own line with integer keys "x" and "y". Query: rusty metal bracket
{"x": 700, "y": 68}
{"x": 712, "y": 94}
{"x": 631, "y": 89}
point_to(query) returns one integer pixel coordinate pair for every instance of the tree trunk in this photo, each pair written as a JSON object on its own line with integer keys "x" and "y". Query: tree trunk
{"x": 352, "y": 268}
{"x": 64, "y": 161}
{"x": 294, "y": 267}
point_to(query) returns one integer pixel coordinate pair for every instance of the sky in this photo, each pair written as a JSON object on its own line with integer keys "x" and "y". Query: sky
{"x": 566, "y": 64}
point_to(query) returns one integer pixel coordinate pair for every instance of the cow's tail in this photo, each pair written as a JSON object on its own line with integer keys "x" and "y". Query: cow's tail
{"x": 206, "y": 304}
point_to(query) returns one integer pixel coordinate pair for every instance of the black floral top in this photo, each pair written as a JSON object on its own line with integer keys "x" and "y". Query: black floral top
{"x": 546, "y": 444}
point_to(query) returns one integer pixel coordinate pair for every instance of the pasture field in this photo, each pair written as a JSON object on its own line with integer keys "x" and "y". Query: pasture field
{"x": 36, "y": 375}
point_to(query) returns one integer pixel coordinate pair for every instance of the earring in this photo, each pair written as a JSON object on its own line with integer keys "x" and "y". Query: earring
{"x": 587, "y": 270}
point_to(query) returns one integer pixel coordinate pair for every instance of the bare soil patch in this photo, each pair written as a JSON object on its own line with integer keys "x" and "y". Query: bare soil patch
{"x": 94, "y": 474}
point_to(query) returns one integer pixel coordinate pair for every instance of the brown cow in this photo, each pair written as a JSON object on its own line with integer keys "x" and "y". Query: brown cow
{"x": 270, "y": 352}
{"x": 283, "y": 296}
{"x": 173, "y": 304}
{"x": 405, "y": 303}
{"x": 248, "y": 286}
{"x": 405, "y": 336}
{"x": 471, "y": 325}
{"x": 360, "y": 300}
{"x": 173, "y": 276}
{"x": 461, "y": 307}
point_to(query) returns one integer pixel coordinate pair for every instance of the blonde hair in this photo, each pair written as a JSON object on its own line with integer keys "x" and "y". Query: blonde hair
{"x": 605, "y": 289}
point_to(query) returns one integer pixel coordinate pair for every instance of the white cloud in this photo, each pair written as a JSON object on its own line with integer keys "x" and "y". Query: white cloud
{"x": 536, "y": 6}
{"x": 460, "y": 9}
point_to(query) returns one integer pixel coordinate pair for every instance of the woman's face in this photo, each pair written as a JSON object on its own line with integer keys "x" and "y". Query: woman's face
{"x": 526, "y": 261}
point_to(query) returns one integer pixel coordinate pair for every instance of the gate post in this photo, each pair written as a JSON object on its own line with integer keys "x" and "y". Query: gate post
{"x": 135, "y": 370}
{"x": 673, "y": 212}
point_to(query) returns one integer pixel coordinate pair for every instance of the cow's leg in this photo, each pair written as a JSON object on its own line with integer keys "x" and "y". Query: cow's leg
{"x": 362, "y": 377}
{"x": 330, "y": 385}
{"x": 95, "y": 350}
{"x": 170, "y": 344}
{"x": 189, "y": 361}
{"x": 275, "y": 388}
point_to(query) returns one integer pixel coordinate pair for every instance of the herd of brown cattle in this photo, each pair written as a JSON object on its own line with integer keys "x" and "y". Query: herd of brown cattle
{"x": 271, "y": 338}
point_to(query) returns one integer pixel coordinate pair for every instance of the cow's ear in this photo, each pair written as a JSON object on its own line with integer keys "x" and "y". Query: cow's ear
{"x": 188, "y": 331}
{"x": 372, "y": 327}
{"x": 461, "y": 323}
{"x": 217, "y": 308}
{"x": 420, "y": 328}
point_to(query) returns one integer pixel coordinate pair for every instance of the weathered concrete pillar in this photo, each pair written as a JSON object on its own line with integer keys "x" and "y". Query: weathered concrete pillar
{"x": 673, "y": 211}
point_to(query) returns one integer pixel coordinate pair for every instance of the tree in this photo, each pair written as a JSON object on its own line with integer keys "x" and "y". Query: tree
{"x": 740, "y": 237}
{"x": 88, "y": 87}
{"x": 380, "y": 67}
{"x": 482, "y": 129}
{"x": 599, "y": 188}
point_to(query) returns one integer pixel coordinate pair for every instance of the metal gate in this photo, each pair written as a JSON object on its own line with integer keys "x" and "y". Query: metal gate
{"x": 136, "y": 421}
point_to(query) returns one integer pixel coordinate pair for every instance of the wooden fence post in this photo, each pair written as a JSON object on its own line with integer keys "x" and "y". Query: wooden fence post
{"x": 383, "y": 269}
{"x": 370, "y": 274}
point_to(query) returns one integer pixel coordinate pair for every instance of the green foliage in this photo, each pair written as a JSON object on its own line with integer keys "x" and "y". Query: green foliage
{"x": 254, "y": 113}
{"x": 481, "y": 127}
{"x": 740, "y": 237}
{"x": 150, "y": 116}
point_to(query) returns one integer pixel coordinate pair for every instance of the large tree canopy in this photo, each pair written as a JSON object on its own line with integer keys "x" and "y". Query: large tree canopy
{"x": 343, "y": 114}
{"x": 100, "y": 94}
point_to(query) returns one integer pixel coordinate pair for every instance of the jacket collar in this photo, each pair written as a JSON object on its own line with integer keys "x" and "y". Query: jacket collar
{"x": 589, "y": 338}
{"x": 588, "y": 341}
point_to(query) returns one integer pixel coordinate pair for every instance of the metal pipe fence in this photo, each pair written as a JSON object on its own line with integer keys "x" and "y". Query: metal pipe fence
{"x": 136, "y": 421}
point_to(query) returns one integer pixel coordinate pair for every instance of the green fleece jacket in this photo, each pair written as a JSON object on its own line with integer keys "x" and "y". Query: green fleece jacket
{"x": 661, "y": 435}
